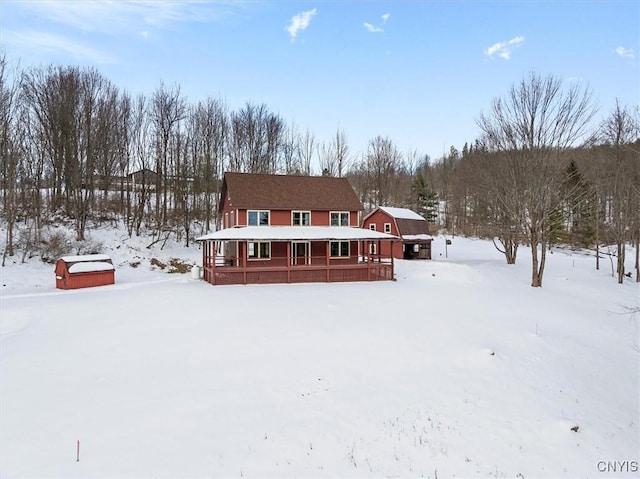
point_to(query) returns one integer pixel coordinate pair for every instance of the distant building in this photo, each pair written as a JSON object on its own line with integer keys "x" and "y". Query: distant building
{"x": 144, "y": 177}
{"x": 412, "y": 229}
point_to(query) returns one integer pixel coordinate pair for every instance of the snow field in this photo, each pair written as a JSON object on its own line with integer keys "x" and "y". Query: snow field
{"x": 458, "y": 368}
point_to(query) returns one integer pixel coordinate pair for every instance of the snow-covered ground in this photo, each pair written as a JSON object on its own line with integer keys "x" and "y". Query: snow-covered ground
{"x": 457, "y": 369}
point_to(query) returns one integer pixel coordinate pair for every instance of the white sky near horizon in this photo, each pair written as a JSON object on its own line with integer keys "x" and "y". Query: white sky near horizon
{"x": 417, "y": 72}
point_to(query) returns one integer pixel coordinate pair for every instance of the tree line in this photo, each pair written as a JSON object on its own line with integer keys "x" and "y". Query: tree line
{"x": 74, "y": 146}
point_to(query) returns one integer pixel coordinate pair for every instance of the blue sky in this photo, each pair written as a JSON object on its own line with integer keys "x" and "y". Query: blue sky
{"x": 417, "y": 72}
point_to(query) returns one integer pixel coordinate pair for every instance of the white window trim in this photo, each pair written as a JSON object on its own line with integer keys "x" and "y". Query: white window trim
{"x": 387, "y": 227}
{"x": 340, "y": 249}
{"x": 307, "y": 257}
{"x": 301, "y": 212}
{"x": 259, "y": 211}
{"x": 254, "y": 258}
{"x": 348, "y": 213}
{"x": 372, "y": 226}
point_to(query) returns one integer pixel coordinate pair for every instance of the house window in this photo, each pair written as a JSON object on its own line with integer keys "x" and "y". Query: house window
{"x": 387, "y": 227}
{"x": 301, "y": 218}
{"x": 372, "y": 248}
{"x": 258, "y": 218}
{"x": 259, "y": 249}
{"x": 339, "y": 248}
{"x": 372, "y": 226}
{"x": 339, "y": 218}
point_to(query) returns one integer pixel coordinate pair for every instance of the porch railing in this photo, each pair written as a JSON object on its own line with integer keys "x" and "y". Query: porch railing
{"x": 297, "y": 270}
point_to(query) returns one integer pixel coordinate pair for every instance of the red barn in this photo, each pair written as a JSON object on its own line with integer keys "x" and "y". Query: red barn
{"x": 412, "y": 229}
{"x": 291, "y": 229}
{"x": 84, "y": 271}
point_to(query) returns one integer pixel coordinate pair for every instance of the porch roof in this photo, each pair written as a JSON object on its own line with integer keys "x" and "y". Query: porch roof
{"x": 296, "y": 233}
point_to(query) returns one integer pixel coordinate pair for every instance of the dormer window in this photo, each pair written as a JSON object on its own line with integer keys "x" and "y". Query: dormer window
{"x": 339, "y": 218}
{"x": 258, "y": 218}
{"x": 300, "y": 218}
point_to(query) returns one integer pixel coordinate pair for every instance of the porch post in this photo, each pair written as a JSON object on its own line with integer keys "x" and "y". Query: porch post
{"x": 391, "y": 259}
{"x": 244, "y": 249}
{"x": 368, "y": 247}
{"x": 210, "y": 245}
{"x": 328, "y": 263}
{"x": 204, "y": 259}
{"x": 288, "y": 260}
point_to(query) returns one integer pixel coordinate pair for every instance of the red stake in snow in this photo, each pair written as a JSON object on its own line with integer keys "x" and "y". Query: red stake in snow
{"x": 78, "y": 452}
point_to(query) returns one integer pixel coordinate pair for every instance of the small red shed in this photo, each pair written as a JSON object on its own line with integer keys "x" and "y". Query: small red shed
{"x": 84, "y": 271}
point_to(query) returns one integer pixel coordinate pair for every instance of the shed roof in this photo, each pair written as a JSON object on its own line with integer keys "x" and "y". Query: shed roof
{"x": 402, "y": 213}
{"x": 85, "y": 257}
{"x": 410, "y": 225}
{"x": 295, "y": 233}
{"x": 289, "y": 192}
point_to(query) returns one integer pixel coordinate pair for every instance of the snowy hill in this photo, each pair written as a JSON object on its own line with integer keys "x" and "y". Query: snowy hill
{"x": 457, "y": 369}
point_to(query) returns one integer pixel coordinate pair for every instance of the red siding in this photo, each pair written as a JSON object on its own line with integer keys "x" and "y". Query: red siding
{"x": 379, "y": 218}
{"x": 66, "y": 280}
{"x": 279, "y": 217}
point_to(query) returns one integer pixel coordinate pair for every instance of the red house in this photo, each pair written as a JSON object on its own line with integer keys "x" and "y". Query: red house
{"x": 292, "y": 229}
{"x": 412, "y": 229}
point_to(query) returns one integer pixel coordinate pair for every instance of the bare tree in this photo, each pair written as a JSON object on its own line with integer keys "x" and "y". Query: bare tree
{"x": 341, "y": 149}
{"x": 327, "y": 159}
{"x": 167, "y": 109}
{"x": 256, "y": 140}
{"x": 532, "y": 125}
{"x": 306, "y": 150}
{"x": 9, "y": 151}
{"x": 383, "y": 160}
{"x": 621, "y": 134}
{"x": 290, "y": 153}
{"x": 141, "y": 176}
{"x": 210, "y": 126}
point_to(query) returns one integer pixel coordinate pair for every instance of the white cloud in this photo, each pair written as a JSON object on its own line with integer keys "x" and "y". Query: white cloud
{"x": 115, "y": 17}
{"x": 625, "y": 52}
{"x": 372, "y": 28}
{"x": 504, "y": 49}
{"x": 51, "y": 44}
{"x": 300, "y": 22}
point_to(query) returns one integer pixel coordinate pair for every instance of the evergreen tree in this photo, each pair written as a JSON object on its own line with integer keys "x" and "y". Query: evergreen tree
{"x": 579, "y": 207}
{"x": 427, "y": 200}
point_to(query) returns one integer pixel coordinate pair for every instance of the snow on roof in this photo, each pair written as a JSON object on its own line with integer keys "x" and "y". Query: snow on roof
{"x": 294, "y": 233}
{"x": 420, "y": 237}
{"x": 401, "y": 213}
{"x": 89, "y": 266}
{"x": 85, "y": 257}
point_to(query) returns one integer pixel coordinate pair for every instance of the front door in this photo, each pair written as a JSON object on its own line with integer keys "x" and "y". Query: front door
{"x": 300, "y": 252}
